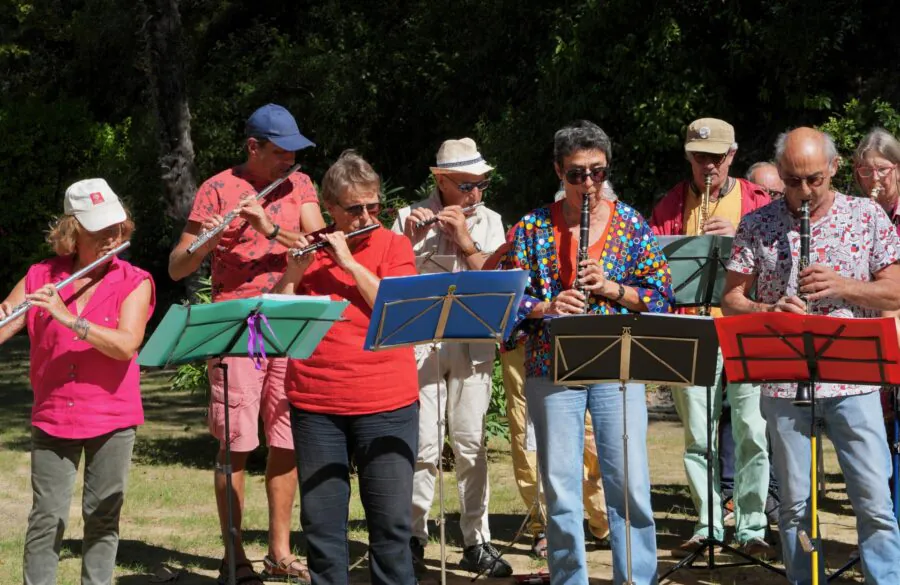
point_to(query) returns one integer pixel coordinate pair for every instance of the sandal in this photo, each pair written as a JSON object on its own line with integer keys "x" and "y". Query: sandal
{"x": 240, "y": 577}
{"x": 539, "y": 546}
{"x": 290, "y": 569}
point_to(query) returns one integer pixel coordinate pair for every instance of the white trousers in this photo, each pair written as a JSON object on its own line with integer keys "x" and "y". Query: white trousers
{"x": 465, "y": 396}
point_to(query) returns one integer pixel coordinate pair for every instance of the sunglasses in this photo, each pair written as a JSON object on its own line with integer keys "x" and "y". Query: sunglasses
{"x": 579, "y": 175}
{"x": 357, "y": 210}
{"x": 814, "y": 180}
{"x": 468, "y": 187}
{"x": 705, "y": 158}
{"x": 880, "y": 172}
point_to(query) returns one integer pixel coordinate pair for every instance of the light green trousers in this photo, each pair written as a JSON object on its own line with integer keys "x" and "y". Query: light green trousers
{"x": 751, "y": 466}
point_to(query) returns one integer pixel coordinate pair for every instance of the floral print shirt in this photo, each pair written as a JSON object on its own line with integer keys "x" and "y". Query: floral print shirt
{"x": 855, "y": 238}
{"x": 631, "y": 255}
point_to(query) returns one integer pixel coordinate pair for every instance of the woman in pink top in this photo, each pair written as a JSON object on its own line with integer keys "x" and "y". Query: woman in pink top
{"x": 86, "y": 381}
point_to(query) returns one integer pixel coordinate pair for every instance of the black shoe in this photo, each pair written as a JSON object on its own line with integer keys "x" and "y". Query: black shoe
{"x": 484, "y": 558}
{"x": 418, "y": 557}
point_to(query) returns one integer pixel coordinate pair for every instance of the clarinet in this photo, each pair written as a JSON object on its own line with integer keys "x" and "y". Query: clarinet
{"x": 584, "y": 236}
{"x": 802, "y": 398}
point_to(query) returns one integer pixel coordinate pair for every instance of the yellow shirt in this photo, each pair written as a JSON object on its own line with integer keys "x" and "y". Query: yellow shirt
{"x": 728, "y": 207}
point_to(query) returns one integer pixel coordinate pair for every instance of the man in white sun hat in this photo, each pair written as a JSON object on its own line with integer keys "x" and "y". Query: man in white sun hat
{"x": 462, "y": 238}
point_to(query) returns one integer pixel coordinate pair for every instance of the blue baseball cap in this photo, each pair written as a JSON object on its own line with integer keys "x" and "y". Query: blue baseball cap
{"x": 276, "y": 124}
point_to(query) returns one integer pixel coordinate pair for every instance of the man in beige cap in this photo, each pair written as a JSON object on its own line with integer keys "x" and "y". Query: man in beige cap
{"x": 710, "y": 148}
{"x": 462, "y": 238}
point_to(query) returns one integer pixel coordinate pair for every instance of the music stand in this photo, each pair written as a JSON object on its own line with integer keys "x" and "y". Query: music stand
{"x": 461, "y": 307}
{"x": 270, "y": 325}
{"x": 787, "y": 348}
{"x": 644, "y": 347}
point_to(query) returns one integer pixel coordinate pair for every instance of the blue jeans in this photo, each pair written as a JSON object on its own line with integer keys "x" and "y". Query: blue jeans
{"x": 558, "y": 416}
{"x": 855, "y": 426}
{"x": 384, "y": 447}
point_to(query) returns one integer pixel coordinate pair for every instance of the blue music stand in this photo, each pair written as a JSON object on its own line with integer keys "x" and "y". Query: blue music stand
{"x": 461, "y": 307}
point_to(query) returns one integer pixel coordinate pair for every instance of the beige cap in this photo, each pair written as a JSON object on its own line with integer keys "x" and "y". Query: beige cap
{"x": 709, "y": 135}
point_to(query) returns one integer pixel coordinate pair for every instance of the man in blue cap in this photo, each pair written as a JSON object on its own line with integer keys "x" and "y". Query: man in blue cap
{"x": 248, "y": 259}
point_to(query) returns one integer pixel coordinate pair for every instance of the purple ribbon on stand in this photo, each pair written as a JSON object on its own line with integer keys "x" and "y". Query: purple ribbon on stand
{"x": 256, "y": 342}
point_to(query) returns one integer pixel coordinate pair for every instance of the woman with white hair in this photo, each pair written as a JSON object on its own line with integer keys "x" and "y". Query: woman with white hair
{"x": 875, "y": 170}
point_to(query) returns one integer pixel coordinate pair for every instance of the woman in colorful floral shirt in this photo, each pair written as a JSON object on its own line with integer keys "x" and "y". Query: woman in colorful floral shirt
{"x": 626, "y": 273}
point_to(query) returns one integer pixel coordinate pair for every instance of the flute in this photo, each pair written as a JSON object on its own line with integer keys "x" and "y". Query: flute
{"x": 22, "y": 308}
{"x": 323, "y": 243}
{"x": 584, "y": 236}
{"x": 433, "y": 220}
{"x": 205, "y": 236}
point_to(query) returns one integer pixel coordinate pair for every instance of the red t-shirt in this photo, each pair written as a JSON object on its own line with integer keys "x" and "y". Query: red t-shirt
{"x": 245, "y": 263}
{"x": 340, "y": 377}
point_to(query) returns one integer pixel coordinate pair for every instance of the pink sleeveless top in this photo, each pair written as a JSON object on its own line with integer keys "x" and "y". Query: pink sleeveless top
{"x": 79, "y": 393}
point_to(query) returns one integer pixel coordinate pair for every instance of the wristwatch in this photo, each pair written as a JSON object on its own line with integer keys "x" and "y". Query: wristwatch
{"x": 476, "y": 247}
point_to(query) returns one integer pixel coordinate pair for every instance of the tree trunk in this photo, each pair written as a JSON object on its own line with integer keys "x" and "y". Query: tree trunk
{"x": 165, "y": 72}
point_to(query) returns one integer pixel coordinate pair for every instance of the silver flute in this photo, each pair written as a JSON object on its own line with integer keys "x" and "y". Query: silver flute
{"x": 205, "y": 236}
{"x": 324, "y": 243}
{"x": 22, "y": 308}
{"x": 433, "y": 220}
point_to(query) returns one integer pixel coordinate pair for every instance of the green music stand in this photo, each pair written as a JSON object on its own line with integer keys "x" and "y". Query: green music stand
{"x": 259, "y": 327}
{"x": 698, "y": 268}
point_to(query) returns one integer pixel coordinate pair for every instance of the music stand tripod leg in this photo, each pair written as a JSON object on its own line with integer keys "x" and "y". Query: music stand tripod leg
{"x": 229, "y": 487}
{"x": 440, "y": 462}
{"x": 629, "y": 580}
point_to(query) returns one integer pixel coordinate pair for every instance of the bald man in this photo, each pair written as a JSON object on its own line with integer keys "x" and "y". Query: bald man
{"x": 853, "y": 273}
{"x": 765, "y": 174}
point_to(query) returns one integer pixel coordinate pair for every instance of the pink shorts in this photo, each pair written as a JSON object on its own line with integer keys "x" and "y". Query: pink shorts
{"x": 252, "y": 394}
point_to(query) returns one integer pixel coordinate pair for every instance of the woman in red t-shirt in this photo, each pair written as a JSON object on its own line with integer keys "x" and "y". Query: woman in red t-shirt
{"x": 347, "y": 402}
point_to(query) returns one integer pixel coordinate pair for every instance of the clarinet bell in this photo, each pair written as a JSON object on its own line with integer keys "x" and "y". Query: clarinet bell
{"x": 802, "y": 397}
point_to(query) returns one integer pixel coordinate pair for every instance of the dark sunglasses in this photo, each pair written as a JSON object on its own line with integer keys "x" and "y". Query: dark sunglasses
{"x": 357, "y": 210}
{"x": 579, "y": 175}
{"x": 815, "y": 180}
{"x": 467, "y": 187}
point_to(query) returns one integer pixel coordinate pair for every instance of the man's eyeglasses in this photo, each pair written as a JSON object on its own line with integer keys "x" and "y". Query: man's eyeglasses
{"x": 880, "y": 172}
{"x": 705, "y": 158}
{"x": 813, "y": 181}
{"x": 774, "y": 194}
{"x": 467, "y": 187}
{"x": 579, "y": 175}
{"x": 357, "y": 210}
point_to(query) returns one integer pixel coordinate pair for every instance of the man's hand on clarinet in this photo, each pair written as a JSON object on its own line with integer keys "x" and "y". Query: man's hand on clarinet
{"x": 822, "y": 282}
{"x": 790, "y": 304}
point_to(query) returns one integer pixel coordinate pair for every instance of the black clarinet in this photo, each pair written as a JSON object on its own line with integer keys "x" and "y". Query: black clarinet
{"x": 584, "y": 236}
{"x": 802, "y": 398}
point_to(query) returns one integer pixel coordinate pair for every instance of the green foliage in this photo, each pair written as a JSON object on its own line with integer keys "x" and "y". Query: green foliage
{"x": 849, "y": 128}
{"x": 495, "y": 422}
{"x": 192, "y": 377}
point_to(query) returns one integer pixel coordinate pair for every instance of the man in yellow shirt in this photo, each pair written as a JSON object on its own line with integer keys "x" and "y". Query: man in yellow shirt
{"x": 710, "y": 148}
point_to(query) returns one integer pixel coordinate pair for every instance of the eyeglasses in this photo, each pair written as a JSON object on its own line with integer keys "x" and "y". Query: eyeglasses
{"x": 880, "y": 172}
{"x": 814, "y": 180}
{"x": 705, "y": 158}
{"x": 357, "y": 210}
{"x": 468, "y": 187}
{"x": 774, "y": 194}
{"x": 579, "y": 175}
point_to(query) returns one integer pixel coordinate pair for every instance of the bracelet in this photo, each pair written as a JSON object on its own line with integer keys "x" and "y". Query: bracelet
{"x": 274, "y": 232}
{"x": 621, "y": 293}
{"x": 81, "y": 327}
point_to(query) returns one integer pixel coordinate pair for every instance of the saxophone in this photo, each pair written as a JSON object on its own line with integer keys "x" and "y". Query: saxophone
{"x": 704, "y": 204}
{"x": 876, "y": 191}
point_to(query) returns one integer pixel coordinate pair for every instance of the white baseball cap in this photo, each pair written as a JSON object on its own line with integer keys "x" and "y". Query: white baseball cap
{"x": 94, "y": 204}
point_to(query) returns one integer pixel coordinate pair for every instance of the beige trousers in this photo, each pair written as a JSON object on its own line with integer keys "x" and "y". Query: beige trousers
{"x": 524, "y": 461}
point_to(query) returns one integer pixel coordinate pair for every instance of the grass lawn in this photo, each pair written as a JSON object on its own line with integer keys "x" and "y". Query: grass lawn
{"x": 169, "y": 516}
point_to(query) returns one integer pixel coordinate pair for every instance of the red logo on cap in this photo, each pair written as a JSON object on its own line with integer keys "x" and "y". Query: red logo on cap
{"x": 96, "y": 198}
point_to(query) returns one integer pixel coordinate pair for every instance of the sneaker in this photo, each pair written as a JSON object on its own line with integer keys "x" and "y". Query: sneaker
{"x": 688, "y": 547}
{"x": 418, "y": 557}
{"x": 760, "y": 549}
{"x": 484, "y": 558}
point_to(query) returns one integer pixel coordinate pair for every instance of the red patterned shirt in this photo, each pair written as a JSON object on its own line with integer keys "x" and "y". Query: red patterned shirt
{"x": 855, "y": 238}
{"x": 245, "y": 263}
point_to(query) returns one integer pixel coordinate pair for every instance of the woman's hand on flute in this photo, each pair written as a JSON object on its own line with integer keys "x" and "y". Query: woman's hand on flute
{"x": 568, "y": 302}
{"x": 48, "y": 299}
{"x": 6, "y": 310}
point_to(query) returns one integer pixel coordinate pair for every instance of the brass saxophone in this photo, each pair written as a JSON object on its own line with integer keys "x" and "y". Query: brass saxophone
{"x": 704, "y": 204}
{"x": 802, "y": 398}
{"x": 876, "y": 191}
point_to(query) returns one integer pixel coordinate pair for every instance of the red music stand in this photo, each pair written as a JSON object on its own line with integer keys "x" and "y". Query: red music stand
{"x": 806, "y": 349}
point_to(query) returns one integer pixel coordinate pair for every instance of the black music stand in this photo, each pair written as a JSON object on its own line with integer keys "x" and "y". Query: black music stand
{"x": 294, "y": 326}
{"x": 807, "y": 349}
{"x": 645, "y": 347}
